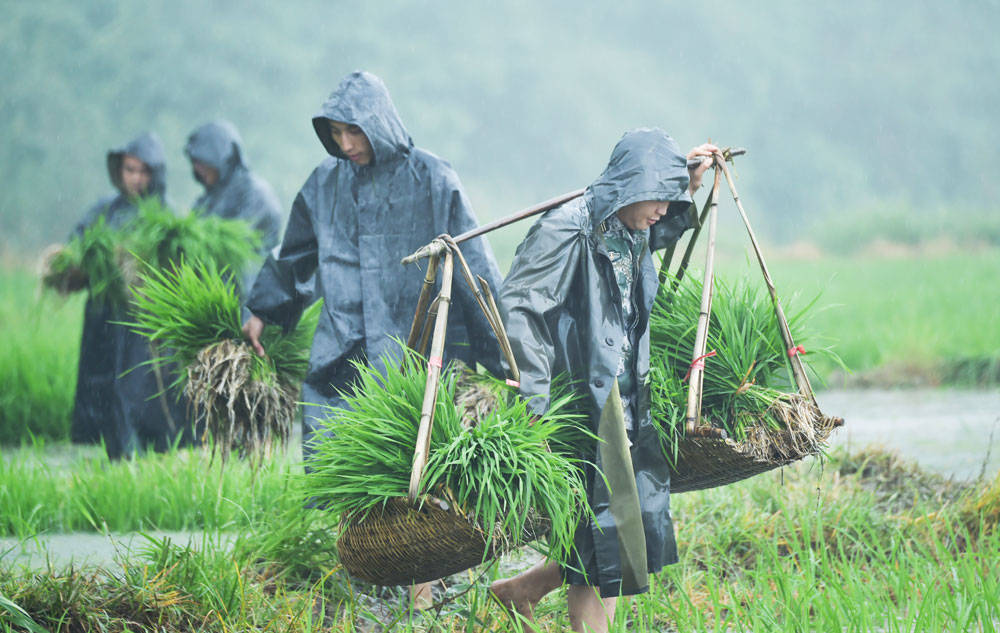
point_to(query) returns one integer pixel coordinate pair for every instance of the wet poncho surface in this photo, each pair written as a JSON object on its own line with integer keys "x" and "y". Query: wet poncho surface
{"x": 350, "y": 225}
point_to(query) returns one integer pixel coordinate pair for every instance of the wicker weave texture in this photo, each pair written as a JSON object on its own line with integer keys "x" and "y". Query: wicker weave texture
{"x": 403, "y": 545}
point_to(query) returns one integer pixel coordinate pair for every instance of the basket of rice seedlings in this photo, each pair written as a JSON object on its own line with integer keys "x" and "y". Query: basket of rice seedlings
{"x": 92, "y": 260}
{"x": 240, "y": 400}
{"x": 748, "y": 395}
{"x": 730, "y": 393}
{"x": 495, "y": 477}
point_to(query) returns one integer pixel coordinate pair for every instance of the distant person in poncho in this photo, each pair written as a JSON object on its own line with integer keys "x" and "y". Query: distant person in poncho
{"x": 373, "y": 201}
{"x": 232, "y": 191}
{"x": 577, "y": 302}
{"x": 114, "y": 395}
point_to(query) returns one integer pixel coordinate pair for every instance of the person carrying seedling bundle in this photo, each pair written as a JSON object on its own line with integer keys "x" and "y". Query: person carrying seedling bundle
{"x": 376, "y": 199}
{"x": 577, "y": 302}
{"x": 114, "y": 394}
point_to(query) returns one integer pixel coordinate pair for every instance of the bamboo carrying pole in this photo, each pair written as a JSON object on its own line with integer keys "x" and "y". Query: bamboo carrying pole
{"x": 701, "y": 336}
{"x": 433, "y": 378}
{"x": 548, "y": 205}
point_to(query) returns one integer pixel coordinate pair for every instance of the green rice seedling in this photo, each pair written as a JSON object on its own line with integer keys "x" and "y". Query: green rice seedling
{"x": 92, "y": 260}
{"x": 747, "y": 386}
{"x": 240, "y": 399}
{"x": 498, "y": 468}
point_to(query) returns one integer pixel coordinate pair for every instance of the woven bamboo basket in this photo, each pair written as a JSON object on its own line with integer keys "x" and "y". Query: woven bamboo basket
{"x": 412, "y": 540}
{"x": 403, "y": 544}
{"x": 706, "y": 458}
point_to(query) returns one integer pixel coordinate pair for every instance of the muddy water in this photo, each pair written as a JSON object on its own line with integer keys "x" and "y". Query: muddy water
{"x": 953, "y": 432}
{"x": 948, "y": 431}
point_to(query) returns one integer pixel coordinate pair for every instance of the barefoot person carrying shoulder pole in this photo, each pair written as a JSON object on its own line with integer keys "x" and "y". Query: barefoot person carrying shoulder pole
{"x": 374, "y": 200}
{"x": 577, "y": 302}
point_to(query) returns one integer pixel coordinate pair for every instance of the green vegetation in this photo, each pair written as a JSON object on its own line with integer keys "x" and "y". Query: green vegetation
{"x": 90, "y": 261}
{"x": 868, "y": 542}
{"x": 106, "y": 261}
{"x": 173, "y": 491}
{"x": 161, "y": 238}
{"x": 497, "y": 471}
{"x": 525, "y": 101}
{"x": 193, "y": 306}
{"x": 240, "y": 400}
{"x": 38, "y": 358}
{"x": 906, "y": 320}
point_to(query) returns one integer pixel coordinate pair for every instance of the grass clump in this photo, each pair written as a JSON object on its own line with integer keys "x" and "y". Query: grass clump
{"x": 748, "y": 389}
{"x": 162, "y": 238}
{"x": 240, "y": 400}
{"x": 499, "y": 466}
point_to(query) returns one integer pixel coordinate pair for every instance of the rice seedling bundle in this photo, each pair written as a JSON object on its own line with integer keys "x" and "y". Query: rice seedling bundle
{"x": 240, "y": 400}
{"x": 92, "y": 260}
{"x": 748, "y": 390}
{"x": 490, "y": 463}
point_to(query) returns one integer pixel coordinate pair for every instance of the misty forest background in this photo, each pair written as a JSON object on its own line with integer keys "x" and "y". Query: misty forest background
{"x": 874, "y": 120}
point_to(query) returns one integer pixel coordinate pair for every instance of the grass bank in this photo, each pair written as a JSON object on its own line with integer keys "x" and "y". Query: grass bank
{"x": 180, "y": 490}
{"x": 865, "y": 542}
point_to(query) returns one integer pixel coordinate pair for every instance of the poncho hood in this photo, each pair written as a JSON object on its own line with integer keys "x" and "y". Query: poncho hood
{"x": 218, "y": 145}
{"x": 646, "y": 164}
{"x": 148, "y": 148}
{"x": 362, "y": 99}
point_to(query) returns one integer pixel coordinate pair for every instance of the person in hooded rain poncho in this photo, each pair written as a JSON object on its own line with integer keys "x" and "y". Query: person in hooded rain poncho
{"x": 115, "y": 395}
{"x": 231, "y": 189}
{"x": 577, "y": 302}
{"x": 375, "y": 200}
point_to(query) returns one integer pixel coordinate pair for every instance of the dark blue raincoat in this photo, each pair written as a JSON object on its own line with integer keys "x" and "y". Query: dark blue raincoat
{"x": 112, "y": 402}
{"x": 350, "y": 225}
{"x": 562, "y": 307}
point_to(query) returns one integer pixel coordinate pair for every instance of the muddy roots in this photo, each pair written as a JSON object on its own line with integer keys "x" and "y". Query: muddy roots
{"x": 233, "y": 409}
{"x": 791, "y": 428}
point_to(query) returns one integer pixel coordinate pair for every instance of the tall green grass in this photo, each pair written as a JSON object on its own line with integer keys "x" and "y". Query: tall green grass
{"x": 38, "y": 358}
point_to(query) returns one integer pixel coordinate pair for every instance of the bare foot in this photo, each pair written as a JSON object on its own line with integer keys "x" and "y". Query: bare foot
{"x": 421, "y": 597}
{"x": 513, "y": 596}
{"x": 522, "y": 593}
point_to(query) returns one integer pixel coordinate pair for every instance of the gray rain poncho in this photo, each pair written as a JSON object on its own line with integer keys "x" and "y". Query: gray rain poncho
{"x": 238, "y": 193}
{"x": 351, "y": 224}
{"x": 562, "y": 307}
{"x": 113, "y": 403}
